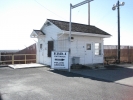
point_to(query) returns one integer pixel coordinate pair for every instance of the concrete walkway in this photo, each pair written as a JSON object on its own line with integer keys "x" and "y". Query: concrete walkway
{"x": 121, "y": 75}
{"x": 15, "y": 66}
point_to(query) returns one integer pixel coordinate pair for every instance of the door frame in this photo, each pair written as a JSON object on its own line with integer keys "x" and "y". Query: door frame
{"x": 90, "y": 50}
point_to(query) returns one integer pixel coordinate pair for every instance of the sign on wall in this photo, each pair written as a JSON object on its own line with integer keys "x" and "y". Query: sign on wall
{"x": 59, "y": 60}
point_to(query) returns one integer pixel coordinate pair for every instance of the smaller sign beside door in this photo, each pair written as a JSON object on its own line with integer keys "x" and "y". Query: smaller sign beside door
{"x": 59, "y": 60}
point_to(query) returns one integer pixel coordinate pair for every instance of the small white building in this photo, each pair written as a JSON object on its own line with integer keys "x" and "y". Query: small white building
{"x": 86, "y": 41}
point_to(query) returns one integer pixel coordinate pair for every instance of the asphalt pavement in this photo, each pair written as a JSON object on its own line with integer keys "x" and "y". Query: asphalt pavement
{"x": 120, "y": 74}
{"x": 46, "y": 84}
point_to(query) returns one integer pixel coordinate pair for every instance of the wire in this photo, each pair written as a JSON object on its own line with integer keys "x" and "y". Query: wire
{"x": 77, "y": 14}
{"x": 48, "y": 9}
{"x": 108, "y": 13}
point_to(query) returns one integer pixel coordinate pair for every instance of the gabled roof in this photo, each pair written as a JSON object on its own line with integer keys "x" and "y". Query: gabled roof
{"x": 36, "y": 33}
{"x": 76, "y": 27}
{"x": 39, "y": 32}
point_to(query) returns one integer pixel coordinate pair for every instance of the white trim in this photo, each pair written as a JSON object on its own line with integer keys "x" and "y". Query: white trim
{"x": 88, "y": 34}
{"x": 33, "y": 35}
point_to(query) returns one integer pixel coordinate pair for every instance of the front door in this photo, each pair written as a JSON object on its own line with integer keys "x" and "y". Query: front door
{"x": 88, "y": 53}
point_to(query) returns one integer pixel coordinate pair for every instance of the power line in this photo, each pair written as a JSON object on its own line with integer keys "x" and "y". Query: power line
{"x": 108, "y": 13}
{"x": 48, "y": 9}
{"x": 77, "y": 14}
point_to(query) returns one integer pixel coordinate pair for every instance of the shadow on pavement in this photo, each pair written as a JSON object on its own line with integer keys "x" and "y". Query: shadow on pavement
{"x": 70, "y": 74}
{"x": 112, "y": 67}
{"x": 119, "y": 71}
{"x": 112, "y": 73}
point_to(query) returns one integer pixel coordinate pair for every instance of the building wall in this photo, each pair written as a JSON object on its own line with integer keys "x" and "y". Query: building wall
{"x": 78, "y": 48}
{"x": 77, "y": 45}
{"x": 51, "y": 32}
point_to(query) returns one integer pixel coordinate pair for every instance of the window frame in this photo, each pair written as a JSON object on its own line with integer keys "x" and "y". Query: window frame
{"x": 98, "y": 49}
{"x": 88, "y": 46}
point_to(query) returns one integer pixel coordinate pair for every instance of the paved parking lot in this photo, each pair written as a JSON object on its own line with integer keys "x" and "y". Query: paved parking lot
{"x": 45, "y": 84}
{"x": 121, "y": 74}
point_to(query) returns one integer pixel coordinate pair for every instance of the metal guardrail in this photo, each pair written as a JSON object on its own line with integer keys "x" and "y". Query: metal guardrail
{"x": 13, "y": 60}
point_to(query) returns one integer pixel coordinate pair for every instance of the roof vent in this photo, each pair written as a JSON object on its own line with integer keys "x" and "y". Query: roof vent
{"x": 48, "y": 24}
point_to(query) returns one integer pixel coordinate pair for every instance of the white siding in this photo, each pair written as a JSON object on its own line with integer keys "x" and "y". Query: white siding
{"x": 77, "y": 45}
{"x": 51, "y": 34}
{"x": 78, "y": 48}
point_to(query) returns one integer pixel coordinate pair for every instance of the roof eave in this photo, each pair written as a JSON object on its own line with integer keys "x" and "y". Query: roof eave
{"x": 33, "y": 34}
{"x": 87, "y": 34}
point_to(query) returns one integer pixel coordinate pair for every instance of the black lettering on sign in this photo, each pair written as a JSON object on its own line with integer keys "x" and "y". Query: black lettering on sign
{"x": 59, "y": 53}
{"x": 59, "y": 59}
{"x": 59, "y": 64}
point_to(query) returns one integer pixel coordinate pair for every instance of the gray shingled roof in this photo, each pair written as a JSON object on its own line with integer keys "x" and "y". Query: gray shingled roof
{"x": 76, "y": 27}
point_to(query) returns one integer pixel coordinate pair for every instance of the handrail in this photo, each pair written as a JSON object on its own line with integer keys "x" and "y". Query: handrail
{"x": 13, "y": 60}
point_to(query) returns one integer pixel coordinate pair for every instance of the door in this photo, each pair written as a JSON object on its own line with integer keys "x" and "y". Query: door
{"x": 88, "y": 53}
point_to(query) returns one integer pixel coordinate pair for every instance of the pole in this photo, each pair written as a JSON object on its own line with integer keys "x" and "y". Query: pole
{"x": 118, "y": 32}
{"x": 89, "y": 13}
{"x": 12, "y": 58}
{"x": 69, "y": 68}
{"x": 25, "y": 58}
{"x": 71, "y": 7}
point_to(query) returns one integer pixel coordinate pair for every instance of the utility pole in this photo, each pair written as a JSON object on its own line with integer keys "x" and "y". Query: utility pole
{"x": 89, "y": 13}
{"x": 119, "y": 47}
{"x": 72, "y": 7}
{"x": 117, "y": 5}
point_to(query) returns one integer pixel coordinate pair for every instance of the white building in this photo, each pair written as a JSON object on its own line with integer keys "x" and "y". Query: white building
{"x": 86, "y": 41}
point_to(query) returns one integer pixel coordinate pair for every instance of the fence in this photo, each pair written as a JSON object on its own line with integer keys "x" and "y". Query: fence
{"x": 27, "y": 55}
{"x": 126, "y": 52}
{"x": 18, "y": 59}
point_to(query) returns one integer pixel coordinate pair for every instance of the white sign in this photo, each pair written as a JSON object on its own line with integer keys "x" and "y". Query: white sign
{"x": 59, "y": 60}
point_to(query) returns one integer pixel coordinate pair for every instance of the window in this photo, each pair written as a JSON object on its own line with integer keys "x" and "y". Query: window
{"x": 97, "y": 48}
{"x": 88, "y": 46}
{"x": 50, "y": 48}
{"x": 40, "y": 46}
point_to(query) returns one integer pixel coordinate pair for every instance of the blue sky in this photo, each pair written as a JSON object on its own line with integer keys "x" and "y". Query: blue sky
{"x": 19, "y": 17}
